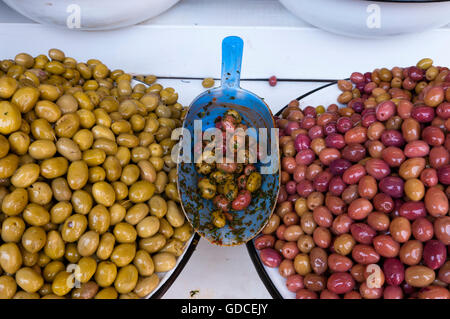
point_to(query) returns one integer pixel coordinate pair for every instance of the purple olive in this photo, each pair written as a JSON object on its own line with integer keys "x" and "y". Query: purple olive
{"x": 392, "y": 138}
{"x": 434, "y": 254}
{"x": 394, "y": 271}
{"x": 339, "y": 166}
{"x": 392, "y": 186}
{"x": 302, "y": 142}
{"x": 270, "y": 257}
{"x": 423, "y": 114}
{"x": 444, "y": 174}
{"x": 412, "y": 210}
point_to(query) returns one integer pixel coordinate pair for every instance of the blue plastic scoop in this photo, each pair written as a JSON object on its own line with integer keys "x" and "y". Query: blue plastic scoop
{"x": 256, "y": 114}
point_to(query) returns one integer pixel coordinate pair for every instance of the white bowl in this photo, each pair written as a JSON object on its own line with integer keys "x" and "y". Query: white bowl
{"x": 90, "y": 14}
{"x": 363, "y": 18}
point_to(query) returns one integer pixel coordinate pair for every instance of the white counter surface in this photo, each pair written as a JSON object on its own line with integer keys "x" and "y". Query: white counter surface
{"x": 185, "y": 42}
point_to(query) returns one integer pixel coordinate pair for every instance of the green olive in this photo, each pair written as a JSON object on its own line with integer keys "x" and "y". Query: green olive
{"x": 55, "y": 67}
{"x": 61, "y": 190}
{"x": 96, "y": 174}
{"x": 126, "y": 279}
{"x": 164, "y": 262}
{"x": 112, "y": 168}
{"x": 99, "y": 219}
{"x": 88, "y": 243}
{"x": 60, "y": 212}
{"x": 47, "y": 109}
{"x": 173, "y": 176}
{"x": 67, "y": 125}
{"x": 103, "y": 193}
{"x": 34, "y": 239}
{"x": 8, "y": 86}
{"x": 109, "y": 147}
{"x": 207, "y": 189}
{"x": 117, "y": 213}
{"x": 150, "y": 100}
{"x": 158, "y": 206}
{"x": 130, "y": 295}
{"x": 19, "y": 142}
{"x": 153, "y": 244}
{"x": 218, "y": 219}
{"x": 163, "y": 111}
{"x": 28, "y": 295}
{"x": 106, "y": 246}
{"x": 183, "y": 233}
{"x": 73, "y": 227}
{"x": 42, "y": 130}
{"x": 125, "y": 233}
{"x": 141, "y": 191}
{"x": 127, "y": 140}
{"x": 69, "y": 149}
{"x": 8, "y": 287}
{"x": 123, "y": 254}
{"x": 52, "y": 269}
{"x": 165, "y": 228}
{"x": 40, "y": 193}
{"x": 144, "y": 263}
{"x": 208, "y": 83}
{"x": 86, "y": 269}
{"x": 43, "y": 259}
{"x": 87, "y": 120}
{"x": 5, "y": 144}
{"x": 106, "y": 273}
{"x": 204, "y": 168}
{"x": 54, "y": 167}
{"x": 161, "y": 182}
{"x": 63, "y": 283}
{"x": 83, "y": 101}
{"x": 36, "y": 215}
{"x": 130, "y": 174}
{"x": 136, "y": 213}
{"x": 157, "y": 162}
{"x": 121, "y": 190}
{"x": 8, "y": 165}
{"x": 81, "y": 202}
{"x": 173, "y": 246}
{"x": 29, "y": 259}
{"x": 107, "y": 293}
{"x": 230, "y": 190}
{"x": 148, "y": 227}
{"x": 15, "y": 202}
{"x": 54, "y": 247}
{"x": 84, "y": 139}
{"x": 10, "y": 258}
{"x": 67, "y": 103}
{"x": 146, "y": 285}
{"x": 174, "y": 215}
{"x": 94, "y": 157}
{"x": 26, "y": 175}
{"x": 24, "y": 59}
{"x": 12, "y": 229}
{"x": 77, "y": 174}
{"x": 29, "y": 280}
{"x": 254, "y": 182}
{"x": 71, "y": 253}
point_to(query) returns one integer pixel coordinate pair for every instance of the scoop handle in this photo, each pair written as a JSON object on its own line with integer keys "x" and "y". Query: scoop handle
{"x": 232, "y": 48}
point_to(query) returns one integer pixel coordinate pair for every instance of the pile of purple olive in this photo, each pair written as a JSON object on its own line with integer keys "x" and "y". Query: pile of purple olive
{"x": 363, "y": 207}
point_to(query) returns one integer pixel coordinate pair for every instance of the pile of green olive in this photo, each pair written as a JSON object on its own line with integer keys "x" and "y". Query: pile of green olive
{"x": 89, "y": 206}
